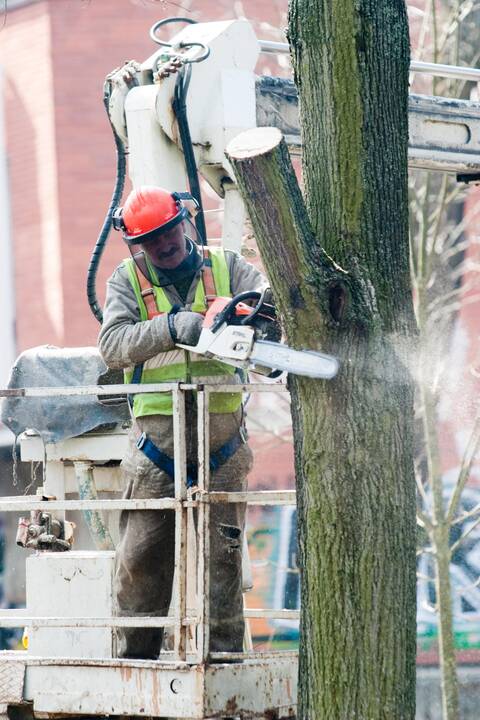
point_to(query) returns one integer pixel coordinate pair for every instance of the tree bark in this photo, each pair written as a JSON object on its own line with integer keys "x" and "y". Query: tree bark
{"x": 339, "y": 271}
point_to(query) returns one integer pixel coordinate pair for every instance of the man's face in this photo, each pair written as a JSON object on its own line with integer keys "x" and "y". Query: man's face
{"x": 167, "y": 250}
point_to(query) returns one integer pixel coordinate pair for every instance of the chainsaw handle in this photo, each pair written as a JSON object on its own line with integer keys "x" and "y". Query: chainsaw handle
{"x": 247, "y": 320}
{"x": 229, "y": 310}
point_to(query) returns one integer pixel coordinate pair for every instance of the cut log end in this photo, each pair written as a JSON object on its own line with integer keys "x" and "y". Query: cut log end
{"x": 253, "y": 143}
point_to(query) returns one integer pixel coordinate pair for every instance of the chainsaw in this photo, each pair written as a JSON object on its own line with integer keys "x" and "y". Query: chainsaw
{"x": 232, "y": 332}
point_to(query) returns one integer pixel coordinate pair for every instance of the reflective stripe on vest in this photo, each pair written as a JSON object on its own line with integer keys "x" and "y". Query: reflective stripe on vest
{"x": 179, "y": 365}
{"x": 148, "y": 292}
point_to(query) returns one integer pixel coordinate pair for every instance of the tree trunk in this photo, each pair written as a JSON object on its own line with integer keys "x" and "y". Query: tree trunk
{"x": 353, "y": 435}
{"x": 446, "y": 638}
{"x": 440, "y": 537}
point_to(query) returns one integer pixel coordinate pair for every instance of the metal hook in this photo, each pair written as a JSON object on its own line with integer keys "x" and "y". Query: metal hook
{"x": 166, "y": 21}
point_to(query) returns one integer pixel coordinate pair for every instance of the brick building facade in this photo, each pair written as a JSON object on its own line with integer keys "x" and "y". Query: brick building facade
{"x": 59, "y": 149}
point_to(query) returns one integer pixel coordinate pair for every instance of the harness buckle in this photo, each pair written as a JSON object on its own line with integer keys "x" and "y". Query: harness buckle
{"x": 147, "y": 291}
{"x": 141, "y": 441}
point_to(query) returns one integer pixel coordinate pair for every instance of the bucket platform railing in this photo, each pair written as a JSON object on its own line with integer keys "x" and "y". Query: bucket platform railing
{"x": 190, "y": 630}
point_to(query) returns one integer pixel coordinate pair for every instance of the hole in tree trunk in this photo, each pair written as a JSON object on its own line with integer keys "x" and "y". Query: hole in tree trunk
{"x": 337, "y": 299}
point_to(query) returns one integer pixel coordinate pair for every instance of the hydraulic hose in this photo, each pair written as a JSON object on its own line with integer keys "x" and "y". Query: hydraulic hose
{"x": 107, "y": 223}
{"x": 180, "y": 109}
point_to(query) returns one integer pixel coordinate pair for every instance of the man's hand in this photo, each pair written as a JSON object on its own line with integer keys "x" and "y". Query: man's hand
{"x": 187, "y": 326}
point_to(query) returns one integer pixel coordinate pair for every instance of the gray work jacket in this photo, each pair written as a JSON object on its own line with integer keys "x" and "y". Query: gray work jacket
{"x": 125, "y": 340}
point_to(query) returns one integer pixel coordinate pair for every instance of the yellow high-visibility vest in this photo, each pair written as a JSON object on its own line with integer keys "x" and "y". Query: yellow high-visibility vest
{"x": 179, "y": 365}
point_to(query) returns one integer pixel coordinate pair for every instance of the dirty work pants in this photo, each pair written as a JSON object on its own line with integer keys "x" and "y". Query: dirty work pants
{"x": 145, "y": 554}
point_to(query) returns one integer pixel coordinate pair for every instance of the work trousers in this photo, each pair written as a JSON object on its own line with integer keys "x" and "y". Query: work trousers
{"x": 145, "y": 554}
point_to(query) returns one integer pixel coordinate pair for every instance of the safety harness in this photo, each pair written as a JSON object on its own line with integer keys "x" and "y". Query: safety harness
{"x": 148, "y": 293}
{"x": 166, "y": 463}
{"x": 177, "y": 365}
{"x": 144, "y": 443}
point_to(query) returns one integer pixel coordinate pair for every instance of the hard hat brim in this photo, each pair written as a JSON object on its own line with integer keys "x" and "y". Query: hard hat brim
{"x": 152, "y": 234}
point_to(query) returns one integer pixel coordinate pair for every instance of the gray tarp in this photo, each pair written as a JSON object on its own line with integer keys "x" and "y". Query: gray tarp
{"x": 58, "y": 418}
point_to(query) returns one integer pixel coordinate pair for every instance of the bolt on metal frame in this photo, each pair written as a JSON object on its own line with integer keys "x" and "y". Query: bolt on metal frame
{"x": 183, "y": 503}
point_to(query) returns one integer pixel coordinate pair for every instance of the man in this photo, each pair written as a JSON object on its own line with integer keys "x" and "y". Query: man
{"x": 155, "y": 299}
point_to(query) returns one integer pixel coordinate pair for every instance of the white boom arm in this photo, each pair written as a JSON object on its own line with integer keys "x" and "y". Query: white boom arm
{"x": 220, "y": 104}
{"x": 225, "y": 97}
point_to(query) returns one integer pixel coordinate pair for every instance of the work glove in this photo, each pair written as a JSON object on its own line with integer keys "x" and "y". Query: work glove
{"x": 185, "y": 327}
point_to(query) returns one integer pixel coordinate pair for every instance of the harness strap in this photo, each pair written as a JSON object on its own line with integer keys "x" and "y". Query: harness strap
{"x": 208, "y": 278}
{"x": 136, "y": 379}
{"x": 165, "y": 462}
{"x": 148, "y": 294}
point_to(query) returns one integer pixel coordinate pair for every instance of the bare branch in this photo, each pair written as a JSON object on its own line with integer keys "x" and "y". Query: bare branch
{"x": 446, "y": 297}
{"x": 457, "y": 16}
{"x": 468, "y": 587}
{"x": 435, "y": 233}
{"x": 426, "y": 551}
{"x": 457, "y": 189}
{"x": 463, "y": 537}
{"x": 466, "y": 466}
{"x": 429, "y": 579}
{"x": 423, "y": 234}
{"x": 459, "y": 248}
{"x": 467, "y": 267}
{"x": 460, "y": 227}
{"x": 466, "y": 515}
{"x": 424, "y": 521}
{"x": 421, "y": 489}
{"x": 430, "y": 608}
{"x": 473, "y": 63}
{"x": 422, "y": 37}
{"x": 453, "y": 308}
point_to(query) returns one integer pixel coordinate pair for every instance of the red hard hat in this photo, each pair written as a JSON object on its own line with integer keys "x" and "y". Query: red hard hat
{"x": 147, "y": 211}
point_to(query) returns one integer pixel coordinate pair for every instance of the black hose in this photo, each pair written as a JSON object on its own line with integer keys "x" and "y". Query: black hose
{"x": 180, "y": 109}
{"x": 107, "y": 223}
